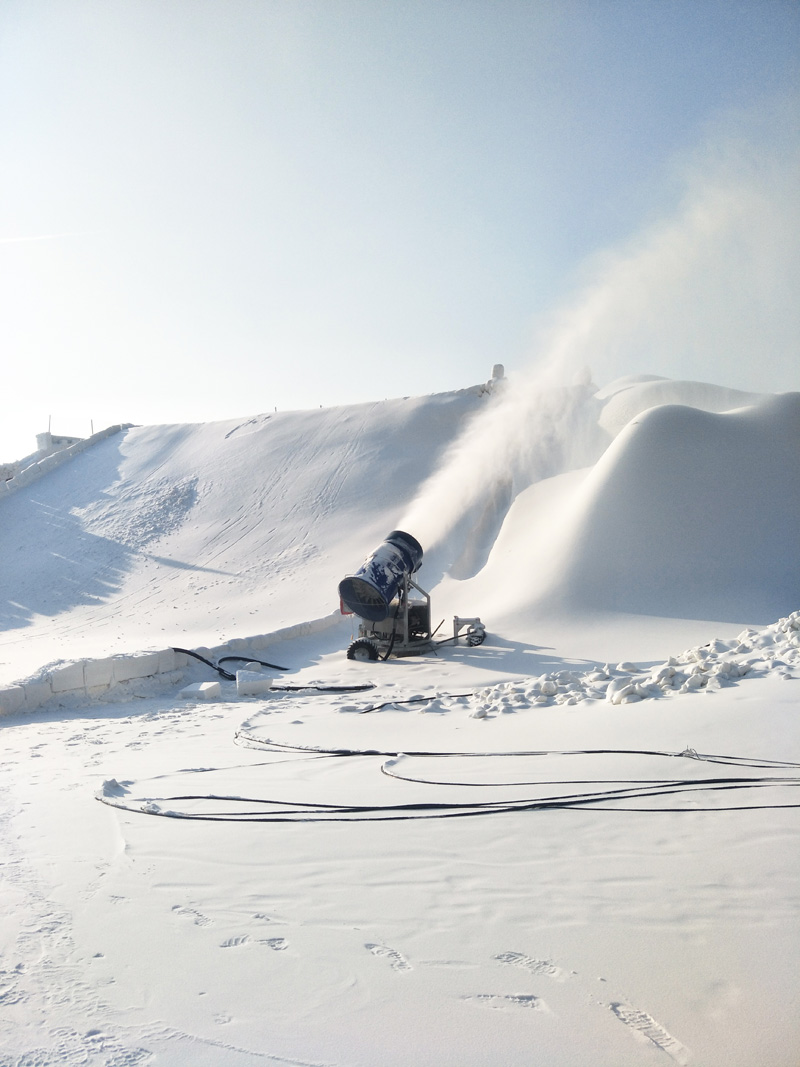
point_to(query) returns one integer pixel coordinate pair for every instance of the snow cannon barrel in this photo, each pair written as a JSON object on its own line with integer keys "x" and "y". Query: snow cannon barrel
{"x": 369, "y": 592}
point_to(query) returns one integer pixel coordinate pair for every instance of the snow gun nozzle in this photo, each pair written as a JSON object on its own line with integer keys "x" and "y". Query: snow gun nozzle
{"x": 370, "y": 591}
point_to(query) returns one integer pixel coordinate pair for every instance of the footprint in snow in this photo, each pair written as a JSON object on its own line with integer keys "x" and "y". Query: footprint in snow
{"x": 528, "y": 963}
{"x": 235, "y": 942}
{"x": 197, "y": 917}
{"x": 277, "y": 944}
{"x": 646, "y": 1026}
{"x": 397, "y": 961}
{"x": 503, "y": 1001}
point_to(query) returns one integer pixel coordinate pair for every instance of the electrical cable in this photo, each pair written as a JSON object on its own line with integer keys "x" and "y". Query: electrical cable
{"x": 220, "y": 670}
{"x": 688, "y": 753}
{"x": 409, "y": 700}
{"x": 392, "y": 773}
{"x": 273, "y": 810}
{"x": 252, "y": 659}
{"x": 282, "y": 688}
{"x": 324, "y": 688}
{"x": 297, "y": 811}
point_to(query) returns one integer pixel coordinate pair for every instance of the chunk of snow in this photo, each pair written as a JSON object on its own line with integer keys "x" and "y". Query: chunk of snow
{"x": 201, "y": 691}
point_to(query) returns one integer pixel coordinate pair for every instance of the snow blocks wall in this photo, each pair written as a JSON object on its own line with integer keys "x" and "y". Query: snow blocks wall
{"x": 88, "y": 680}
{"x": 36, "y": 465}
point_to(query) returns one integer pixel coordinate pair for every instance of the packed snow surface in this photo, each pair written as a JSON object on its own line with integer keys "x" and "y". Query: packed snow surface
{"x": 576, "y": 843}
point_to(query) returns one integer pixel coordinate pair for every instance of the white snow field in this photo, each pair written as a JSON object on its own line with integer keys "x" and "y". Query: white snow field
{"x": 575, "y": 844}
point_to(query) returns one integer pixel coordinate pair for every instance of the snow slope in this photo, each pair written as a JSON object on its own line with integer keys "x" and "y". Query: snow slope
{"x": 633, "y": 553}
{"x": 196, "y": 534}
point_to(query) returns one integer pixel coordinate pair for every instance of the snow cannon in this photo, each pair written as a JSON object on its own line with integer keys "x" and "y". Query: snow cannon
{"x": 370, "y": 591}
{"x": 392, "y": 623}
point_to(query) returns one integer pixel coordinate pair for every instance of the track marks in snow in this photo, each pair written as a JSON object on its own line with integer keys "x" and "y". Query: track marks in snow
{"x": 10, "y": 993}
{"x": 195, "y": 916}
{"x": 69, "y": 1048}
{"x": 528, "y": 963}
{"x": 190, "y": 914}
{"x": 645, "y": 1026}
{"x": 511, "y": 1001}
{"x": 504, "y": 1001}
{"x": 235, "y": 942}
{"x": 397, "y": 961}
{"x": 277, "y": 944}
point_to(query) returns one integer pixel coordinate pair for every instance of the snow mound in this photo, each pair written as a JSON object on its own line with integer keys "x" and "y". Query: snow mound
{"x": 629, "y": 397}
{"x": 694, "y": 515}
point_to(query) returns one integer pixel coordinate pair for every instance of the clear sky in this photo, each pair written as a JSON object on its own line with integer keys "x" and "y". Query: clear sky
{"x": 211, "y": 208}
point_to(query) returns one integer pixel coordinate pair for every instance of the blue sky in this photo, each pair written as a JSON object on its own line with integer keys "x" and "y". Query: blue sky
{"x": 210, "y": 209}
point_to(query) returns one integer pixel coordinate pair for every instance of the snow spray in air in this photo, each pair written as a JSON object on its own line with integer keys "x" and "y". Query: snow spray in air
{"x": 534, "y": 427}
{"x": 709, "y": 288}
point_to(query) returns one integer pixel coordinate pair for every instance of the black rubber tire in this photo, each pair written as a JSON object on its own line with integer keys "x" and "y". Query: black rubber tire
{"x": 475, "y": 637}
{"x": 362, "y": 650}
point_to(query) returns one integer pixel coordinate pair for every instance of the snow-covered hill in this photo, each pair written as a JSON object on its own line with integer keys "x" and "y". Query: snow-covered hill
{"x": 195, "y": 535}
{"x": 630, "y": 898}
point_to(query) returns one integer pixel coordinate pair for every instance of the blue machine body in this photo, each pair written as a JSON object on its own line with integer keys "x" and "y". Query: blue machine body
{"x": 369, "y": 592}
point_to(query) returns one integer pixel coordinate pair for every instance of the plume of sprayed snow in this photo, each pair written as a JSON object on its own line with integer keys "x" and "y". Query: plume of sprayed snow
{"x": 534, "y": 427}
{"x": 707, "y": 293}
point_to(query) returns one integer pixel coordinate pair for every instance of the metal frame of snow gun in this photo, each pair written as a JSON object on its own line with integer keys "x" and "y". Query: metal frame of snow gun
{"x": 406, "y": 631}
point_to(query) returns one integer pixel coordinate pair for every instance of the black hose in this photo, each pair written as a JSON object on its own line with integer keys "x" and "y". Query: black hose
{"x": 283, "y": 688}
{"x": 252, "y": 659}
{"x": 316, "y": 811}
{"x": 276, "y": 810}
{"x": 228, "y": 659}
{"x": 410, "y": 700}
{"x": 324, "y": 688}
{"x": 220, "y": 670}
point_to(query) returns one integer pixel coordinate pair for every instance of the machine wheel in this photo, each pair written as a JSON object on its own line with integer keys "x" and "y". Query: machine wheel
{"x": 475, "y": 636}
{"x": 362, "y": 650}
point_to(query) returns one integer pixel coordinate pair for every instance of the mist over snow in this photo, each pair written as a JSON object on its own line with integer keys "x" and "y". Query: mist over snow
{"x": 705, "y": 290}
